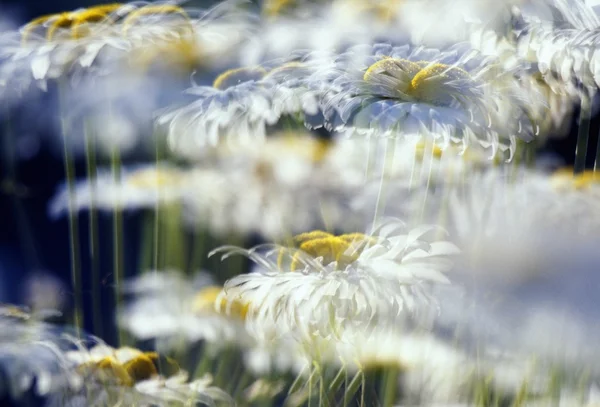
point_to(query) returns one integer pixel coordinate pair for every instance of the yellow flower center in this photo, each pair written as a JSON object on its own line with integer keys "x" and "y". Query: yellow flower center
{"x": 150, "y": 178}
{"x": 143, "y": 366}
{"x": 429, "y": 84}
{"x": 206, "y": 301}
{"x": 396, "y": 68}
{"x": 236, "y": 76}
{"x": 76, "y": 20}
{"x": 343, "y": 249}
{"x": 274, "y": 8}
{"x": 433, "y": 83}
{"x": 564, "y": 179}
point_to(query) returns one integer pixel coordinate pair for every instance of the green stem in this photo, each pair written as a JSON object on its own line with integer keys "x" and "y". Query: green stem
{"x": 356, "y": 383}
{"x": 583, "y": 133}
{"x": 90, "y": 155}
{"x": 390, "y": 386}
{"x": 73, "y": 217}
{"x": 117, "y": 239}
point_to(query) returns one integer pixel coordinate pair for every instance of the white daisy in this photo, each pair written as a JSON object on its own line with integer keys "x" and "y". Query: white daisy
{"x": 142, "y": 187}
{"x": 127, "y": 376}
{"x": 32, "y": 354}
{"x": 168, "y": 307}
{"x": 452, "y": 95}
{"x": 291, "y": 182}
{"x": 240, "y": 106}
{"x": 325, "y": 282}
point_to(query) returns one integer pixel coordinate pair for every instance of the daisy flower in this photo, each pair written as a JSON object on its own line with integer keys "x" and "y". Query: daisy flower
{"x": 323, "y": 282}
{"x": 32, "y": 354}
{"x": 142, "y": 187}
{"x": 449, "y": 95}
{"x": 166, "y": 306}
{"x": 131, "y": 377}
{"x": 560, "y": 35}
{"x": 101, "y": 38}
{"x": 291, "y": 182}
{"x": 240, "y": 106}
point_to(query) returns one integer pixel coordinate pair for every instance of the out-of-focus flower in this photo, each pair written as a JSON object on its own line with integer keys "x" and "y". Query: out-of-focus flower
{"x": 291, "y": 182}
{"x": 143, "y": 187}
{"x": 407, "y": 91}
{"x": 239, "y": 107}
{"x": 559, "y": 35}
{"x": 431, "y": 371}
{"x": 168, "y": 307}
{"x": 131, "y": 377}
{"x": 32, "y": 354}
{"x": 322, "y": 282}
{"x": 110, "y": 37}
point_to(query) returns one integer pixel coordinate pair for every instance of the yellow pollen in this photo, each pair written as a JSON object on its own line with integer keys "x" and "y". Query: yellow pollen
{"x": 140, "y": 368}
{"x": 154, "y": 177}
{"x": 63, "y": 20}
{"x": 29, "y": 27}
{"x": 180, "y": 54}
{"x": 428, "y": 83}
{"x": 391, "y": 67}
{"x": 565, "y": 179}
{"x": 290, "y": 66}
{"x": 109, "y": 368}
{"x": 343, "y": 249}
{"x": 233, "y": 77}
{"x": 96, "y": 15}
{"x": 273, "y": 8}
{"x": 206, "y": 300}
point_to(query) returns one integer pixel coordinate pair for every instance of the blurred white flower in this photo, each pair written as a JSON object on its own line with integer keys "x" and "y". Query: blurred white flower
{"x": 239, "y": 107}
{"x": 168, "y": 307}
{"x": 291, "y": 182}
{"x": 32, "y": 354}
{"x": 142, "y": 187}
{"x": 127, "y": 376}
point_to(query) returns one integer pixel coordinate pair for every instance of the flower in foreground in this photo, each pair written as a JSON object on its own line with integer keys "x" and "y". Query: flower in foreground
{"x": 32, "y": 354}
{"x": 320, "y": 282}
{"x": 128, "y": 376}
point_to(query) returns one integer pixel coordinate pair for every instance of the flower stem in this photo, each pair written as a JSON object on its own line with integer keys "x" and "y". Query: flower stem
{"x": 583, "y": 133}
{"x": 90, "y": 157}
{"x": 73, "y": 220}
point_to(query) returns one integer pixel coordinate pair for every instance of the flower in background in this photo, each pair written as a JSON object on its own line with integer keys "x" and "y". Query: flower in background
{"x": 291, "y": 182}
{"x": 168, "y": 307}
{"x": 240, "y": 106}
{"x": 413, "y": 91}
{"x": 142, "y": 187}
{"x": 131, "y": 377}
{"x": 321, "y": 282}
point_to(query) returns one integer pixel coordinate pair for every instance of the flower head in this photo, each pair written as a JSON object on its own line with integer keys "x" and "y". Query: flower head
{"x": 322, "y": 282}
{"x": 240, "y": 106}
{"x": 403, "y": 91}
{"x": 130, "y": 376}
{"x": 167, "y": 307}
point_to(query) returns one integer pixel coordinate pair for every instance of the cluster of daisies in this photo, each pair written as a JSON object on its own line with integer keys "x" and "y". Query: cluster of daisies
{"x": 342, "y": 202}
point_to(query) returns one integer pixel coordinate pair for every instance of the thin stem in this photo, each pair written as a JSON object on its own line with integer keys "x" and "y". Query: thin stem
{"x": 73, "y": 217}
{"x": 117, "y": 239}
{"x": 390, "y": 146}
{"x": 90, "y": 156}
{"x": 389, "y": 386}
{"x": 583, "y": 133}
